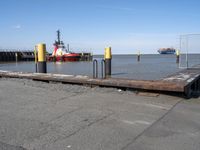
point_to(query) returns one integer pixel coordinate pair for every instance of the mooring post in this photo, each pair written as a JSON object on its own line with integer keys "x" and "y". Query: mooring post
{"x": 138, "y": 56}
{"x": 108, "y": 58}
{"x": 177, "y": 56}
{"x": 36, "y": 59}
{"x": 16, "y": 56}
{"x": 42, "y": 65}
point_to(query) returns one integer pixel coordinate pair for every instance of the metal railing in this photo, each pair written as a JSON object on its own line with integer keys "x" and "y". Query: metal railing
{"x": 95, "y": 69}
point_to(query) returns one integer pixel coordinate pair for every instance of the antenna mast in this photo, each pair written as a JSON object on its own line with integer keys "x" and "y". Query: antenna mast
{"x": 58, "y": 36}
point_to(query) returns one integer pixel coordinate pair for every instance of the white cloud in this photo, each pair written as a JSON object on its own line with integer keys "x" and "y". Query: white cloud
{"x": 17, "y": 26}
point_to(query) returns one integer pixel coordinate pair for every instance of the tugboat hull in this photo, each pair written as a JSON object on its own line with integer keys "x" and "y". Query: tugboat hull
{"x": 68, "y": 57}
{"x": 71, "y": 57}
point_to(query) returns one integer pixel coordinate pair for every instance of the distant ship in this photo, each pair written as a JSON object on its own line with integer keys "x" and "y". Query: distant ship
{"x": 167, "y": 50}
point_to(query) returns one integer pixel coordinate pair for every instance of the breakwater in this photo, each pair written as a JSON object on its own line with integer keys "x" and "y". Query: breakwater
{"x": 9, "y": 56}
{"x": 6, "y": 56}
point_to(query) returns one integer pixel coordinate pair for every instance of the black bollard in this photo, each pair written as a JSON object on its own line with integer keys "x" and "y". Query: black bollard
{"x": 177, "y": 56}
{"x": 36, "y": 58}
{"x": 138, "y": 56}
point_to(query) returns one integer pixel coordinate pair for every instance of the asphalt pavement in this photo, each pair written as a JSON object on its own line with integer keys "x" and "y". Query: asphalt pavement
{"x": 47, "y": 116}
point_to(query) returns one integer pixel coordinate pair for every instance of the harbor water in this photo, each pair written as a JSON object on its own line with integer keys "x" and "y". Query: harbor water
{"x": 150, "y": 67}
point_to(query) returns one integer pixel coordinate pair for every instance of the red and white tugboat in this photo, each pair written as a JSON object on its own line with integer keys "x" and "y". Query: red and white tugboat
{"x": 60, "y": 53}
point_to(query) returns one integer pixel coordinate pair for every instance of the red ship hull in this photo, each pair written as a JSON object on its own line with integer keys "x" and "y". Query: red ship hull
{"x": 71, "y": 57}
{"x": 65, "y": 57}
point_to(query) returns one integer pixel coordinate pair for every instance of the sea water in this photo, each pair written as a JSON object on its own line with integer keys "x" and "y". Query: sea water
{"x": 150, "y": 67}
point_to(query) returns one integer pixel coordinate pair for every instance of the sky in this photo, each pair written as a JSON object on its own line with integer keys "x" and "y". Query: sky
{"x": 128, "y": 26}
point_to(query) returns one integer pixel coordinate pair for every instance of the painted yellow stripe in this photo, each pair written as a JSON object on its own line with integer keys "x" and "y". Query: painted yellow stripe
{"x": 177, "y": 52}
{"x": 41, "y": 52}
{"x": 108, "y": 54}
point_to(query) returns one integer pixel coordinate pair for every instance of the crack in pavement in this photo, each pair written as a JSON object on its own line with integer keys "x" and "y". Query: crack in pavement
{"x": 82, "y": 128}
{"x": 148, "y": 128}
{"x": 65, "y": 113}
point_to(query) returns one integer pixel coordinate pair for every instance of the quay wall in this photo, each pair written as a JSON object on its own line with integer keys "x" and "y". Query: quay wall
{"x": 9, "y": 56}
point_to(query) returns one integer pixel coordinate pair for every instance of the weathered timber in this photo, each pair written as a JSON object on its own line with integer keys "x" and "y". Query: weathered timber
{"x": 189, "y": 79}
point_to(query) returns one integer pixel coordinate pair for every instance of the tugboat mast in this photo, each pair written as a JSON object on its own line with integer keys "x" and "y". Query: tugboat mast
{"x": 58, "y": 36}
{"x": 60, "y": 43}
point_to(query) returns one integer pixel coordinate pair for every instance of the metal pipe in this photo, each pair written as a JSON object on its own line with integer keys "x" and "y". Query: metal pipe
{"x": 95, "y": 68}
{"x": 180, "y": 47}
{"x": 186, "y": 52}
{"x": 103, "y": 74}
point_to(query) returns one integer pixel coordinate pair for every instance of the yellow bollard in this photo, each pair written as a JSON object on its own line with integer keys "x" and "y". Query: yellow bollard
{"x": 107, "y": 54}
{"x": 42, "y": 67}
{"x": 108, "y": 58}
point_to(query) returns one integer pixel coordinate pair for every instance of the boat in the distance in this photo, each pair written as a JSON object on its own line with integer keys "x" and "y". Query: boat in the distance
{"x": 60, "y": 53}
{"x": 167, "y": 50}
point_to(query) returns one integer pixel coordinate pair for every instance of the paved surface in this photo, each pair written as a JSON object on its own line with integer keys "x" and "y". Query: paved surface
{"x": 43, "y": 116}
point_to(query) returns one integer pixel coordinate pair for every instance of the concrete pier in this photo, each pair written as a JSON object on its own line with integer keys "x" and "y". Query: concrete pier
{"x": 185, "y": 82}
{"x": 86, "y": 56}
